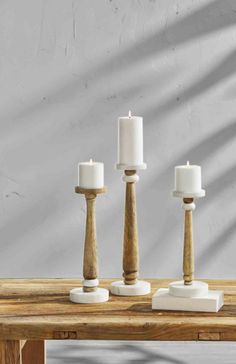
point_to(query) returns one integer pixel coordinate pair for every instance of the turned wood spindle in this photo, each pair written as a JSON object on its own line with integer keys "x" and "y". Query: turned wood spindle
{"x": 188, "y": 255}
{"x": 130, "y": 249}
{"x": 90, "y": 264}
{"x": 90, "y": 261}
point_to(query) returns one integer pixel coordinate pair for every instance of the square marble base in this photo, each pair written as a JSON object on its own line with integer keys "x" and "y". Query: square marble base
{"x": 211, "y": 302}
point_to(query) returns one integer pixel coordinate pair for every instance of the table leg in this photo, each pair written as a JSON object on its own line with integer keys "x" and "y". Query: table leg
{"x": 10, "y": 352}
{"x": 34, "y": 352}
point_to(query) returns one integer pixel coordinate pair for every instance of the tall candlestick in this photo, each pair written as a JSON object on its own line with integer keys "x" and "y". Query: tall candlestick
{"x": 130, "y": 159}
{"x": 130, "y": 140}
{"x": 91, "y": 174}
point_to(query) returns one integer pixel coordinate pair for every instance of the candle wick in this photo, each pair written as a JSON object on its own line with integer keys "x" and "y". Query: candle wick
{"x": 129, "y": 114}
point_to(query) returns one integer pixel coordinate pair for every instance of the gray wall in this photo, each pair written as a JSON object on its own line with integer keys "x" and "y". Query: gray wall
{"x": 68, "y": 69}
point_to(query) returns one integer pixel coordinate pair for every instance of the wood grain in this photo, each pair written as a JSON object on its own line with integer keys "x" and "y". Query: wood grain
{"x": 90, "y": 265}
{"x": 130, "y": 245}
{"x": 10, "y": 352}
{"x": 38, "y": 309}
{"x": 94, "y": 191}
{"x": 33, "y": 352}
{"x": 188, "y": 256}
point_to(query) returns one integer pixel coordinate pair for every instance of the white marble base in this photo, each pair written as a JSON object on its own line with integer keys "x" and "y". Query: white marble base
{"x": 182, "y": 194}
{"x": 141, "y": 288}
{"x": 77, "y": 295}
{"x": 126, "y": 167}
{"x": 196, "y": 289}
{"x": 210, "y": 302}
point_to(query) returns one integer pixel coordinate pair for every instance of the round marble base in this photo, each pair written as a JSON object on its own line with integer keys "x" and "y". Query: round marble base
{"x": 138, "y": 289}
{"x": 77, "y": 295}
{"x": 196, "y": 289}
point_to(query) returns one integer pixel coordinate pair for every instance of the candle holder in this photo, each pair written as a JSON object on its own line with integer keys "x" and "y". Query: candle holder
{"x": 130, "y": 285}
{"x": 90, "y": 292}
{"x": 188, "y": 294}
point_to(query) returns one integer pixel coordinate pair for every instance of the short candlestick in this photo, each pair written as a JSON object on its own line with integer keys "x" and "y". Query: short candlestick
{"x": 130, "y": 286}
{"x": 188, "y": 294}
{"x": 90, "y": 292}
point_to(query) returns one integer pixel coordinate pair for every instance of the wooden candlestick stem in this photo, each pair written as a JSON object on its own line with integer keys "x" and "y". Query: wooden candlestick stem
{"x": 90, "y": 263}
{"x": 188, "y": 254}
{"x": 130, "y": 247}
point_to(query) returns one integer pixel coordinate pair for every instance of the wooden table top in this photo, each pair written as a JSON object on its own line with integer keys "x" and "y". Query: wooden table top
{"x": 40, "y": 309}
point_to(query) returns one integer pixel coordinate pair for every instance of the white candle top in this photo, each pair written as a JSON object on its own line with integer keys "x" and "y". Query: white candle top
{"x": 130, "y": 141}
{"x": 91, "y": 162}
{"x": 188, "y": 180}
{"x": 91, "y": 174}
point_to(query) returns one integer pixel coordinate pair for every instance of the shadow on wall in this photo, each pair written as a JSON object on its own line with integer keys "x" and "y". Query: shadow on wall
{"x": 199, "y": 152}
{"x": 223, "y": 70}
{"x": 193, "y": 26}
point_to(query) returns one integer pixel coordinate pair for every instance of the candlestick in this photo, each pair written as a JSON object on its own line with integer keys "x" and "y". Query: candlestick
{"x": 90, "y": 292}
{"x": 130, "y": 130}
{"x": 188, "y": 294}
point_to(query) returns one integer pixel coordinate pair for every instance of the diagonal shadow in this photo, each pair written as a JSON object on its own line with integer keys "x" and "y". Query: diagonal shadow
{"x": 196, "y": 89}
{"x": 217, "y": 245}
{"x": 214, "y": 188}
{"x": 223, "y": 70}
{"x": 221, "y": 183}
{"x": 202, "y": 150}
{"x": 198, "y": 153}
{"x": 222, "y": 16}
{"x": 127, "y": 94}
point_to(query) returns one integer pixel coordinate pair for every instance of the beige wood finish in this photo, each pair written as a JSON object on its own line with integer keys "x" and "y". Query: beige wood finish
{"x": 22, "y": 352}
{"x": 39, "y": 309}
{"x": 90, "y": 263}
{"x": 188, "y": 257}
{"x": 130, "y": 248}
{"x": 10, "y": 352}
{"x": 85, "y": 191}
{"x": 33, "y": 352}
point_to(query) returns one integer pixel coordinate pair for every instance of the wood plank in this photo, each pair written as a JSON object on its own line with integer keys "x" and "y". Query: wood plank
{"x": 40, "y": 309}
{"x": 34, "y": 352}
{"x": 209, "y": 336}
{"x": 10, "y": 352}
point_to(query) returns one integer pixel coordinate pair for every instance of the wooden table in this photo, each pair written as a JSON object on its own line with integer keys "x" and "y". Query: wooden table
{"x": 35, "y": 310}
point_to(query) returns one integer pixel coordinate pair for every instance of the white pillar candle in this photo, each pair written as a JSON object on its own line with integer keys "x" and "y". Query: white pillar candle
{"x": 130, "y": 140}
{"x": 188, "y": 178}
{"x": 91, "y": 174}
